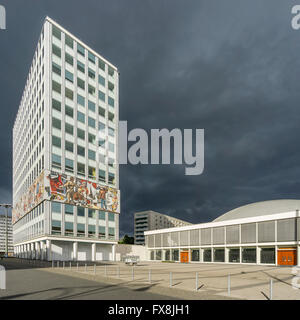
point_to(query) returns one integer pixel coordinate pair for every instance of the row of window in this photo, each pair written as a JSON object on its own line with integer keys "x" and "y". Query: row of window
{"x": 265, "y": 231}
{"x": 56, "y": 123}
{"x": 81, "y": 169}
{"x": 28, "y": 226}
{"x": 26, "y": 123}
{"x": 235, "y": 255}
{"x": 56, "y": 68}
{"x": 69, "y": 111}
{"x": 56, "y": 207}
{"x": 84, "y": 227}
{"x": 70, "y": 42}
{"x": 57, "y": 87}
{"x": 91, "y": 232}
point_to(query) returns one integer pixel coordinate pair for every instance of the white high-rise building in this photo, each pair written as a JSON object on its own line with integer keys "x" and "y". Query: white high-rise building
{"x": 66, "y": 199}
{"x": 6, "y": 236}
{"x": 151, "y": 220}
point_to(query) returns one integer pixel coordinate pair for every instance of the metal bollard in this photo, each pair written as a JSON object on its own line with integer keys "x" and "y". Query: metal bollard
{"x": 228, "y": 284}
{"x": 132, "y": 273}
{"x": 271, "y": 289}
{"x": 197, "y": 286}
{"x": 94, "y": 268}
{"x": 149, "y": 276}
{"x": 170, "y": 279}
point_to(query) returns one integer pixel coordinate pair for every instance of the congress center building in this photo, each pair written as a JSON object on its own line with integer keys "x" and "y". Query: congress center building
{"x": 265, "y": 232}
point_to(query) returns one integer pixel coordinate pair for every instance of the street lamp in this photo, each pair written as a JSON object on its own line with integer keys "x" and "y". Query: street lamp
{"x": 6, "y": 205}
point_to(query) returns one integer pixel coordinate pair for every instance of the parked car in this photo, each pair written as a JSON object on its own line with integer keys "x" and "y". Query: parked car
{"x": 131, "y": 260}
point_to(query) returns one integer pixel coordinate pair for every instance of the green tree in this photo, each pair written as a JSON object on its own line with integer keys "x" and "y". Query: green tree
{"x": 127, "y": 240}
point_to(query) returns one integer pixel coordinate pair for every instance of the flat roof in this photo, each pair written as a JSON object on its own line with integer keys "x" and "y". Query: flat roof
{"x": 80, "y": 41}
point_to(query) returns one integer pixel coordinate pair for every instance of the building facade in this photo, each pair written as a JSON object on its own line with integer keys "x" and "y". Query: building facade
{"x": 151, "y": 220}
{"x": 66, "y": 199}
{"x": 266, "y": 232}
{"x": 6, "y": 228}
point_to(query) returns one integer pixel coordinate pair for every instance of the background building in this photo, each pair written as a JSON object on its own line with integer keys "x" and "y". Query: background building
{"x": 151, "y": 220}
{"x": 3, "y": 236}
{"x": 260, "y": 233}
{"x": 65, "y": 175}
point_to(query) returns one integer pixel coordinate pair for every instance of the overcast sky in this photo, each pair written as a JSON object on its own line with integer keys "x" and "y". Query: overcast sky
{"x": 231, "y": 67}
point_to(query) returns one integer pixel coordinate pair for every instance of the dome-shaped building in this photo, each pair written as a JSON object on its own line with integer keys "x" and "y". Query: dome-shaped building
{"x": 266, "y": 232}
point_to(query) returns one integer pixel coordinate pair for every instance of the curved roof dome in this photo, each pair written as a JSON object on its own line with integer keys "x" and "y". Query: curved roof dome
{"x": 260, "y": 209}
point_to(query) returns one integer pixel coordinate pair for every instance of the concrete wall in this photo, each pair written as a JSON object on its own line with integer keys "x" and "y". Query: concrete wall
{"x": 84, "y": 252}
{"x": 62, "y": 251}
{"x": 130, "y": 249}
{"x": 103, "y": 252}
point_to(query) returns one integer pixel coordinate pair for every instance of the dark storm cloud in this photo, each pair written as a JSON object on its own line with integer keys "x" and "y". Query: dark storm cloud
{"x": 230, "y": 67}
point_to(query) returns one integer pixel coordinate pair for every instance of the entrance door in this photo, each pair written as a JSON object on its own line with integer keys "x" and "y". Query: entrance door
{"x": 184, "y": 256}
{"x": 287, "y": 257}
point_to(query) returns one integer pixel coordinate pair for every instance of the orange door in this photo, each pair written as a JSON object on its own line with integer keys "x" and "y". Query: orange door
{"x": 287, "y": 257}
{"x": 184, "y": 256}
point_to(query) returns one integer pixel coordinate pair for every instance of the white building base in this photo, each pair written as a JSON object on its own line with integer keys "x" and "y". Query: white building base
{"x": 62, "y": 250}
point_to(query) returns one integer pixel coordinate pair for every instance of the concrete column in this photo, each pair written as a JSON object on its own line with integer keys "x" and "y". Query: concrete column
{"x": 298, "y": 256}
{"x": 33, "y": 254}
{"x": 258, "y": 249}
{"x": 114, "y": 252}
{"x": 93, "y": 251}
{"x": 49, "y": 250}
{"x": 28, "y": 251}
{"x": 75, "y": 251}
{"x": 38, "y": 251}
{"x": 41, "y": 250}
{"x": 226, "y": 255}
{"x": 241, "y": 252}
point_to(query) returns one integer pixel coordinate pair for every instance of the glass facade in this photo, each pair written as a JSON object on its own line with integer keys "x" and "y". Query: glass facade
{"x": 195, "y": 256}
{"x": 90, "y": 222}
{"x": 267, "y": 255}
{"x": 219, "y": 255}
{"x": 207, "y": 255}
{"x": 78, "y": 84}
{"x": 249, "y": 255}
{"x": 234, "y": 255}
{"x": 200, "y": 242}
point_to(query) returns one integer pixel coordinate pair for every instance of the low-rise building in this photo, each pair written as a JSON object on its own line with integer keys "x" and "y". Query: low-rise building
{"x": 265, "y": 232}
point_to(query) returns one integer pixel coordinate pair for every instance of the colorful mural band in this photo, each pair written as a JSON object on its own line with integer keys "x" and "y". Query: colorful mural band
{"x": 29, "y": 200}
{"x": 69, "y": 190}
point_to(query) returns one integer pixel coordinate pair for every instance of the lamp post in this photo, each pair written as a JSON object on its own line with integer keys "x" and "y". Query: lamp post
{"x": 5, "y": 205}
